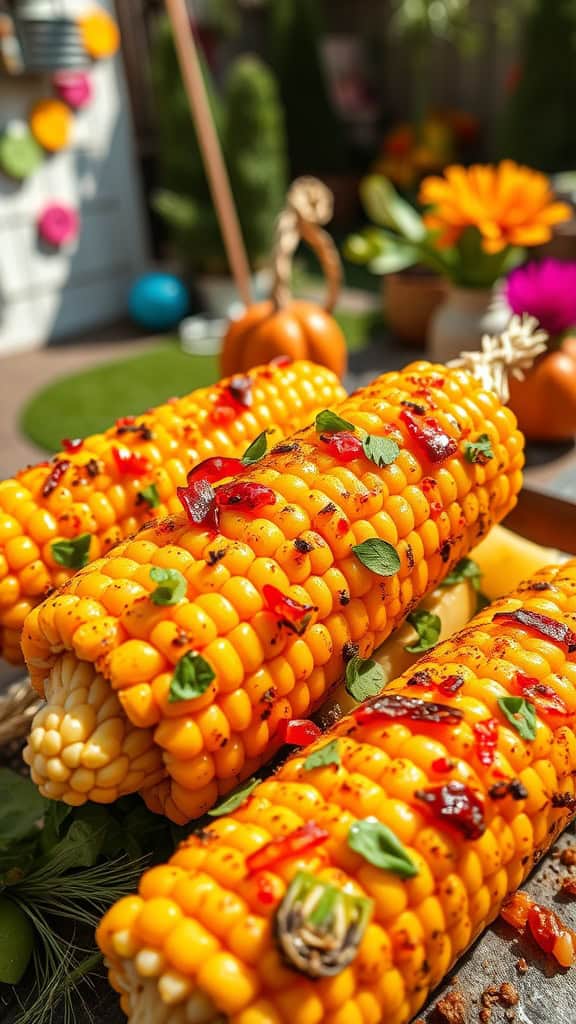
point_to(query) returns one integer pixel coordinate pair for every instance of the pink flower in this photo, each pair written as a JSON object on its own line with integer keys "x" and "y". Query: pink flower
{"x": 546, "y": 290}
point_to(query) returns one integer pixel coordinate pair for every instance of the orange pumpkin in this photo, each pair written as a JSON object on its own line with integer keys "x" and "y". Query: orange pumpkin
{"x": 283, "y": 325}
{"x": 545, "y": 401}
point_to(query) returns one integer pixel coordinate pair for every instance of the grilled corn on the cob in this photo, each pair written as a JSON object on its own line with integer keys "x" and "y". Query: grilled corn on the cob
{"x": 321, "y": 551}
{"x": 343, "y": 889}
{"x": 57, "y": 515}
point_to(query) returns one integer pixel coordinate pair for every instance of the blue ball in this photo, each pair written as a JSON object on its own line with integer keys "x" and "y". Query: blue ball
{"x": 158, "y": 301}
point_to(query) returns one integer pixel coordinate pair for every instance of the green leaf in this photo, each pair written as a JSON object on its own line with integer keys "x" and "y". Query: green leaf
{"x": 364, "y": 678}
{"x": 382, "y": 451}
{"x": 521, "y": 714}
{"x": 384, "y": 206}
{"x": 330, "y": 423}
{"x": 479, "y": 451}
{"x": 192, "y": 677}
{"x": 21, "y": 807}
{"x": 378, "y": 555}
{"x": 236, "y": 799}
{"x": 150, "y": 495}
{"x": 377, "y": 844}
{"x": 428, "y": 627}
{"x": 72, "y": 553}
{"x": 328, "y": 754}
{"x": 172, "y": 586}
{"x": 16, "y": 942}
{"x": 465, "y": 569}
{"x": 256, "y": 451}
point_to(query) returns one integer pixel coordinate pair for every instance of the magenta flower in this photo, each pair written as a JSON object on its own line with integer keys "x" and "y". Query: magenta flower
{"x": 546, "y": 290}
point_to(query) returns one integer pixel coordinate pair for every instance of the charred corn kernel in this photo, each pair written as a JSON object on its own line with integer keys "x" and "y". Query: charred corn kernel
{"x": 92, "y": 489}
{"x": 464, "y": 865}
{"x": 285, "y": 668}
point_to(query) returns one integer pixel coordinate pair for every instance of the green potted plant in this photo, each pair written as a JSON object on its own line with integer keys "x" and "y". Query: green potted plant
{"x": 469, "y": 231}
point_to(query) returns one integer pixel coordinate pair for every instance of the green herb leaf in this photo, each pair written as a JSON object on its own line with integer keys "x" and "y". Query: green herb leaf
{"x": 466, "y": 569}
{"x": 72, "y": 553}
{"x": 256, "y": 451}
{"x": 16, "y": 942}
{"x": 479, "y": 450}
{"x": 364, "y": 678}
{"x": 428, "y": 626}
{"x": 328, "y": 754}
{"x": 378, "y": 555}
{"x": 21, "y": 807}
{"x": 150, "y": 495}
{"x": 521, "y": 714}
{"x": 171, "y": 587}
{"x": 380, "y": 847}
{"x": 192, "y": 677}
{"x": 328, "y": 422}
{"x": 236, "y": 799}
{"x": 380, "y": 450}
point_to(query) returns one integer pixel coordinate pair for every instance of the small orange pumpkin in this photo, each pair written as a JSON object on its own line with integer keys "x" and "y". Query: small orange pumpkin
{"x": 545, "y": 401}
{"x": 283, "y": 325}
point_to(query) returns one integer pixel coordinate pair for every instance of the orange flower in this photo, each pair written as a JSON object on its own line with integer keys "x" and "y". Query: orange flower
{"x": 509, "y": 204}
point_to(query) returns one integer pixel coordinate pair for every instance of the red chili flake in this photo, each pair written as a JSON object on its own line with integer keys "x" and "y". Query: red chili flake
{"x": 422, "y": 678}
{"x": 343, "y": 446}
{"x": 277, "y": 850}
{"x": 240, "y": 390}
{"x": 221, "y": 415}
{"x": 54, "y": 477}
{"x": 565, "y": 801}
{"x": 486, "y": 739}
{"x": 215, "y": 469}
{"x": 515, "y": 910}
{"x": 546, "y": 699}
{"x": 342, "y": 527}
{"x": 443, "y": 764}
{"x": 430, "y": 437}
{"x": 552, "y": 935}
{"x": 265, "y": 892}
{"x": 130, "y": 463}
{"x": 125, "y": 421}
{"x": 450, "y": 685}
{"x": 199, "y": 503}
{"x": 456, "y": 804}
{"x": 508, "y": 787}
{"x": 292, "y": 614}
{"x": 281, "y": 361}
{"x": 298, "y": 732}
{"x": 542, "y": 625}
{"x": 395, "y": 706}
{"x": 73, "y": 444}
{"x": 244, "y": 496}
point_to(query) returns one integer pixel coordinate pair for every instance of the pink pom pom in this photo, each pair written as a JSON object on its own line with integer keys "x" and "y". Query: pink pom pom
{"x": 58, "y": 224}
{"x": 73, "y": 87}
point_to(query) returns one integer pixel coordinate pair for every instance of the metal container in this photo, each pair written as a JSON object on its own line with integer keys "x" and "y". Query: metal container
{"x": 48, "y": 38}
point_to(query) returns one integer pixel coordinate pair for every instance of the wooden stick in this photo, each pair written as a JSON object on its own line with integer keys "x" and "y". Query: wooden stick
{"x": 210, "y": 147}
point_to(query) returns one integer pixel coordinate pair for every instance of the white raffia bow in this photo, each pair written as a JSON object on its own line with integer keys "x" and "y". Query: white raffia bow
{"x": 510, "y": 354}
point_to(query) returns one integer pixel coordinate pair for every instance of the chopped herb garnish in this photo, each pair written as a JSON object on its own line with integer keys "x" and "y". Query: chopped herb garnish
{"x": 328, "y": 754}
{"x": 378, "y": 555}
{"x": 382, "y": 451}
{"x": 377, "y": 844}
{"x": 171, "y": 586}
{"x": 255, "y": 451}
{"x": 364, "y": 678}
{"x": 521, "y": 714}
{"x": 150, "y": 495}
{"x": 330, "y": 423}
{"x": 465, "y": 569}
{"x": 428, "y": 627}
{"x": 192, "y": 677}
{"x": 479, "y": 451}
{"x": 73, "y": 552}
{"x": 235, "y": 800}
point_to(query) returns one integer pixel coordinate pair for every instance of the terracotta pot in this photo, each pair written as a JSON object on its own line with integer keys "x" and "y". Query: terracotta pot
{"x": 410, "y": 300}
{"x": 465, "y": 315}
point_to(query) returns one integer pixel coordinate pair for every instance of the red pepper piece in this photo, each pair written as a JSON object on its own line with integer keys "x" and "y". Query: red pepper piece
{"x": 73, "y": 444}
{"x": 443, "y": 764}
{"x": 486, "y": 737}
{"x": 394, "y": 706}
{"x": 221, "y": 415}
{"x": 450, "y": 685}
{"x": 240, "y": 390}
{"x": 299, "y": 732}
{"x": 277, "y": 850}
{"x": 125, "y": 421}
{"x": 54, "y": 477}
{"x": 343, "y": 446}
{"x": 130, "y": 463}
{"x": 542, "y": 625}
{"x": 265, "y": 891}
{"x": 515, "y": 910}
{"x": 292, "y": 614}
{"x": 430, "y": 437}
{"x": 199, "y": 503}
{"x": 244, "y": 496}
{"x": 546, "y": 700}
{"x": 215, "y": 469}
{"x": 455, "y": 804}
{"x": 552, "y": 935}
{"x": 281, "y": 361}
